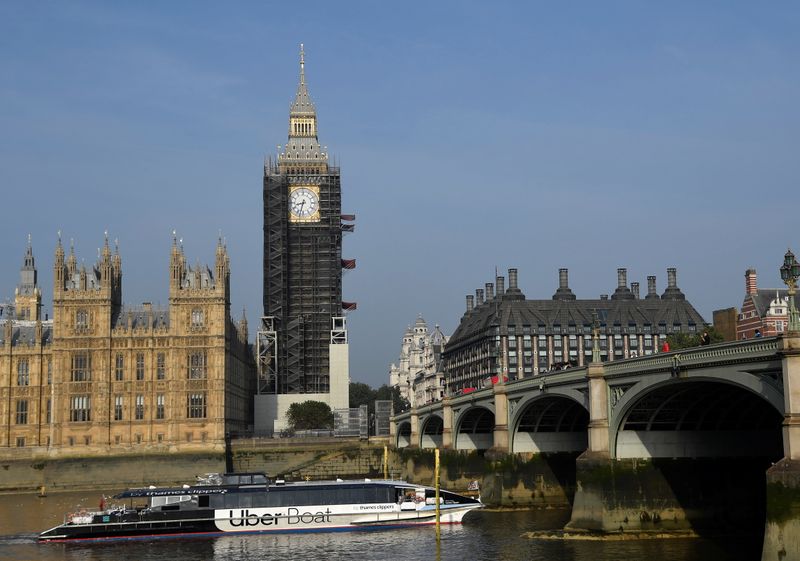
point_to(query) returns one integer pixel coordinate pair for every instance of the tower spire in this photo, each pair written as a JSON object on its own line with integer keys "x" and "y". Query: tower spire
{"x": 302, "y": 65}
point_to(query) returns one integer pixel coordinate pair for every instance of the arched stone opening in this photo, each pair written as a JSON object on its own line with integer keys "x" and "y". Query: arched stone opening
{"x": 475, "y": 430}
{"x": 404, "y": 435}
{"x": 694, "y": 419}
{"x": 432, "y": 430}
{"x": 551, "y": 424}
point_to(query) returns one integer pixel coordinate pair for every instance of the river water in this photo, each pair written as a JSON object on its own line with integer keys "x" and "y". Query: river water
{"x": 489, "y": 535}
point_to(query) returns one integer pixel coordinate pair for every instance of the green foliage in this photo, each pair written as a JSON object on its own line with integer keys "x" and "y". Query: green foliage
{"x": 310, "y": 415}
{"x": 687, "y": 340}
{"x": 392, "y": 394}
{"x": 362, "y": 394}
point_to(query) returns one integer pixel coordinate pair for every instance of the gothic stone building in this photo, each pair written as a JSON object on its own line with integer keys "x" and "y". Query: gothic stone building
{"x": 101, "y": 377}
{"x": 505, "y": 334}
{"x": 418, "y": 374}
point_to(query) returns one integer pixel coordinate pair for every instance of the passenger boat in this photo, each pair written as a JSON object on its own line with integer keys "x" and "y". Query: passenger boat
{"x": 248, "y": 502}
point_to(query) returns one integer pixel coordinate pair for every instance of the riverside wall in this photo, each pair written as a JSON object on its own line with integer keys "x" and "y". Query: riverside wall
{"x": 656, "y": 495}
{"x": 106, "y": 472}
{"x": 782, "y": 527}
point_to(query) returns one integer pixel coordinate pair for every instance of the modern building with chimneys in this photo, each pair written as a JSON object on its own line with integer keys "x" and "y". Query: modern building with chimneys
{"x": 502, "y": 333}
{"x": 418, "y": 373}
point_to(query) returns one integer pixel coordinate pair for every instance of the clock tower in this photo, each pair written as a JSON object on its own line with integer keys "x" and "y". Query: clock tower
{"x": 303, "y": 337}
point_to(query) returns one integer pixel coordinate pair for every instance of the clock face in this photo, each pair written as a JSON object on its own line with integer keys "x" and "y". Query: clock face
{"x": 304, "y": 204}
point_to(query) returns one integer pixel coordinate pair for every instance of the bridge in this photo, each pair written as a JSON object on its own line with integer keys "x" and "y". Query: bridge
{"x": 722, "y": 402}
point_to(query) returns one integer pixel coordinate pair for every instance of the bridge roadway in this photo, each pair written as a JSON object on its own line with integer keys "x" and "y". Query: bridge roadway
{"x": 736, "y": 401}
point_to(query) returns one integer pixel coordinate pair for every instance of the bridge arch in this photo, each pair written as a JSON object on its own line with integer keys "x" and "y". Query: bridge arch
{"x": 735, "y": 415}
{"x": 474, "y": 429}
{"x": 431, "y": 431}
{"x": 550, "y": 422}
{"x": 404, "y": 434}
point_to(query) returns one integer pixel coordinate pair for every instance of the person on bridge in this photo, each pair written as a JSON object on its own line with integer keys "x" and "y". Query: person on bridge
{"x": 705, "y": 338}
{"x": 665, "y": 347}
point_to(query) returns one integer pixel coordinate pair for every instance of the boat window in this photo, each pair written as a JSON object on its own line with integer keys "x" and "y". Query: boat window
{"x": 202, "y": 501}
{"x": 259, "y": 479}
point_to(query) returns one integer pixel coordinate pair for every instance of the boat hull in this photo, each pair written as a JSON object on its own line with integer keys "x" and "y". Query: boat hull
{"x": 259, "y": 520}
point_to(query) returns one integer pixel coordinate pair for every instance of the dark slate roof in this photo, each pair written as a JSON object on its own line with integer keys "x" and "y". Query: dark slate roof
{"x": 139, "y": 319}
{"x": 505, "y": 312}
{"x": 24, "y": 333}
{"x": 764, "y": 296}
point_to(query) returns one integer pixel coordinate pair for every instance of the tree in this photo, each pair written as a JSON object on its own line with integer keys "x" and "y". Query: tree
{"x": 399, "y": 403}
{"x": 361, "y": 394}
{"x": 686, "y": 340}
{"x": 310, "y": 415}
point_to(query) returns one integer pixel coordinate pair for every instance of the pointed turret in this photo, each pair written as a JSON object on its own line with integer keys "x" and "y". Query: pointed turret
{"x": 302, "y": 148}
{"x": 28, "y": 298}
{"x": 72, "y": 262}
{"x": 59, "y": 268}
{"x": 302, "y": 101}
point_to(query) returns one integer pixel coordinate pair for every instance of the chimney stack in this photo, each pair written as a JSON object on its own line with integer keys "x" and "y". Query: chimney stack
{"x": 622, "y": 278}
{"x": 563, "y": 292}
{"x": 635, "y": 289}
{"x": 478, "y": 296}
{"x": 751, "y": 282}
{"x": 563, "y": 278}
{"x": 672, "y": 281}
{"x": 489, "y": 292}
{"x": 470, "y": 302}
{"x": 651, "y": 287}
{"x": 501, "y": 286}
{"x": 512, "y": 279}
{"x": 672, "y": 292}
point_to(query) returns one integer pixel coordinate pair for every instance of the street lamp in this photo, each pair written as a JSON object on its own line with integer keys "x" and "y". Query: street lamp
{"x": 790, "y": 272}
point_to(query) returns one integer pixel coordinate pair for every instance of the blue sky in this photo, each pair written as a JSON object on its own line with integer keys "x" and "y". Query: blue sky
{"x": 471, "y": 135}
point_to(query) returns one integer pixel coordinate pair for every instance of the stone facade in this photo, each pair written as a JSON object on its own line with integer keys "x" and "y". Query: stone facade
{"x": 418, "y": 373}
{"x": 100, "y": 376}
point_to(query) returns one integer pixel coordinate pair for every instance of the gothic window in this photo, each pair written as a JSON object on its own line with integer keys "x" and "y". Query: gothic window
{"x": 140, "y": 366}
{"x": 22, "y": 412}
{"x": 196, "y": 365}
{"x": 197, "y": 318}
{"x": 160, "y": 406}
{"x": 118, "y": 403}
{"x": 23, "y": 375}
{"x": 139, "y": 411}
{"x": 49, "y": 412}
{"x": 80, "y": 408}
{"x": 196, "y": 406}
{"x": 49, "y": 371}
{"x": 160, "y": 366}
{"x": 81, "y": 320}
{"x": 119, "y": 367}
{"x": 81, "y": 367}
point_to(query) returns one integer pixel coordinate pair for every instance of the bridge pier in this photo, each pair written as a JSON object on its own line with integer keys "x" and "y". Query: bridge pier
{"x": 447, "y": 425}
{"x": 782, "y": 528}
{"x": 415, "y": 440}
{"x": 500, "y": 441}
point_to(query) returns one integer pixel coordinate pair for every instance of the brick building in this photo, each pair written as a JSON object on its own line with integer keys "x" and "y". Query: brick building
{"x": 765, "y": 309}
